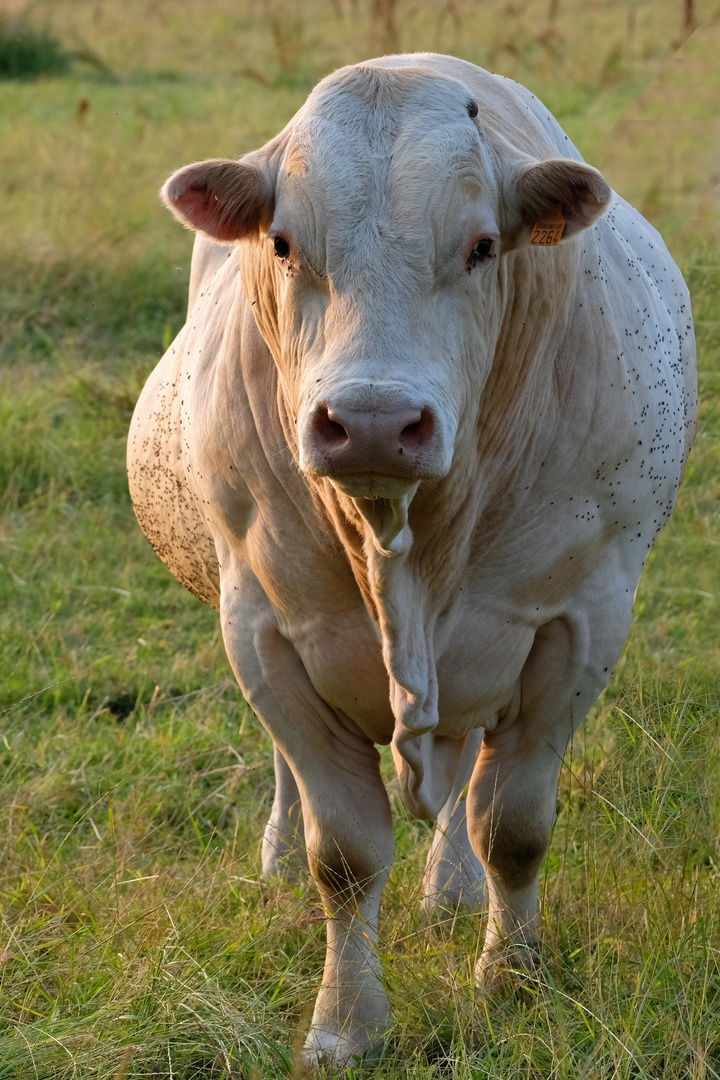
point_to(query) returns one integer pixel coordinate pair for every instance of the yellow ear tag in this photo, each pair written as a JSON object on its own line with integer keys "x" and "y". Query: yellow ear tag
{"x": 548, "y": 231}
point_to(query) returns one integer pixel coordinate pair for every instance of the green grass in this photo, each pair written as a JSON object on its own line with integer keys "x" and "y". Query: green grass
{"x": 135, "y": 782}
{"x": 27, "y": 52}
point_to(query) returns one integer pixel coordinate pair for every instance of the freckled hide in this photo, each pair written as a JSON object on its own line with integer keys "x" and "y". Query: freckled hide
{"x": 417, "y": 463}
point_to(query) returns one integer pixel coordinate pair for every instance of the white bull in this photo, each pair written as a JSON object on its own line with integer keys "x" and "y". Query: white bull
{"x": 416, "y": 461}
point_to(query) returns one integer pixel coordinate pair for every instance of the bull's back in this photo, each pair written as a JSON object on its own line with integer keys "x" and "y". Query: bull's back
{"x": 164, "y": 505}
{"x": 207, "y": 258}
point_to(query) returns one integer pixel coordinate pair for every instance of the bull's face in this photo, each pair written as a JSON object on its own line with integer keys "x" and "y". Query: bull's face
{"x": 384, "y": 243}
{"x": 379, "y": 219}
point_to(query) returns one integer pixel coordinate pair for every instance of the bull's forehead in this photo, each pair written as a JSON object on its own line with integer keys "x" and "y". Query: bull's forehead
{"x": 379, "y": 152}
{"x": 377, "y": 100}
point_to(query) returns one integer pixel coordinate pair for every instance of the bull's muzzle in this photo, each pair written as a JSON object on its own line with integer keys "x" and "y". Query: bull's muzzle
{"x": 376, "y": 450}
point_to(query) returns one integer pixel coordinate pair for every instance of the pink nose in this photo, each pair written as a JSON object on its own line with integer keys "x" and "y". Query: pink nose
{"x": 370, "y": 441}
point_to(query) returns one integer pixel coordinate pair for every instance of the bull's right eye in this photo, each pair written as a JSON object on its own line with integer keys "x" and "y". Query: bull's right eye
{"x": 483, "y": 250}
{"x": 282, "y": 248}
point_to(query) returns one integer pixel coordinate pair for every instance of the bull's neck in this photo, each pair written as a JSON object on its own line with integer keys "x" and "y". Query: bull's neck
{"x": 501, "y": 448}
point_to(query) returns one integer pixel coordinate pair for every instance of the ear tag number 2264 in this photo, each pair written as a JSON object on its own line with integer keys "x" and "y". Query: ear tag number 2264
{"x": 548, "y": 231}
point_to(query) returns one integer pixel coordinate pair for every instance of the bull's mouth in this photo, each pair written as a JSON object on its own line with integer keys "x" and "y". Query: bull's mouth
{"x": 371, "y": 486}
{"x": 388, "y": 521}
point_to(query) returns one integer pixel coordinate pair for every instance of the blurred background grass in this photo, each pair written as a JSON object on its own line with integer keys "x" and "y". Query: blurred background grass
{"x": 137, "y": 938}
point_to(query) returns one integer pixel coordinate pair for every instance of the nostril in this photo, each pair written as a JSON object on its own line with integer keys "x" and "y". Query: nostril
{"x": 329, "y": 432}
{"x": 417, "y": 435}
{"x": 411, "y": 430}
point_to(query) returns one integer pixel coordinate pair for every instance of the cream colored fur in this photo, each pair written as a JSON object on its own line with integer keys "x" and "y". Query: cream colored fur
{"x": 492, "y": 593}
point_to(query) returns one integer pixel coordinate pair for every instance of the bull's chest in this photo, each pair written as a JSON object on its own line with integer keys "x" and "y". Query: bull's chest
{"x": 480, "y": 655}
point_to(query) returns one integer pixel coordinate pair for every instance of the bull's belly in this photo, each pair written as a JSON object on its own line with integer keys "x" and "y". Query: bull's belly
{"x": 164, "y": 506}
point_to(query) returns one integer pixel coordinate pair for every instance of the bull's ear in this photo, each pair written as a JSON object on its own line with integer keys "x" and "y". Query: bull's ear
{"x": 537, "y": 190}
{"x": 227, "y": 200}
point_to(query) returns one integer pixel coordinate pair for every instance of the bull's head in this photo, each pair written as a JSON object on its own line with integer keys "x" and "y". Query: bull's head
{"x": 380, "y": 224}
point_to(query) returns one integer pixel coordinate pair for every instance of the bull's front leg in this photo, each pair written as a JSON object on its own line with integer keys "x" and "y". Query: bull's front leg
{"x": 511, "y": 809}
{"x": 453, "y": 873}
{"x": 347, "y": 821}
{"x": 350, "y": 848}
{"x": 512, "y": 796}
{"x": 283, "y": 846}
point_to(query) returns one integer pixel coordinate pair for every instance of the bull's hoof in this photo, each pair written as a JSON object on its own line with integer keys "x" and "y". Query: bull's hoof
{"x": 512, "y": 968}
{"x": 339, "y": 1049}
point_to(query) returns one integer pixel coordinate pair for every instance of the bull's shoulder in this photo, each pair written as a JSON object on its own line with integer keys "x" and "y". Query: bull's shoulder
{"x": 626, "y": 234}
{"x": 164, "y": 505}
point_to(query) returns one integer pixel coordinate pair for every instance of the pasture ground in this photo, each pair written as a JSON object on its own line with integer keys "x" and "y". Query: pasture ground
{"x": 136, "y": 936}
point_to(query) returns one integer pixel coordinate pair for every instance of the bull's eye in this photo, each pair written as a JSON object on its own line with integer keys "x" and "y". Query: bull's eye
{"x": 483, "y": 250}
{"x": 282, "y": 248}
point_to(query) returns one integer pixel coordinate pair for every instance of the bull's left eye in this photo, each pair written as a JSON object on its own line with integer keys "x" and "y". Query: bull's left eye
{"x": 483, "y": 250}
{"x": 282, "y": 248}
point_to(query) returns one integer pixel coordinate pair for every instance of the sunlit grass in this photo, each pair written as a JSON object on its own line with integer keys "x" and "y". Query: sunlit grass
{"x": 134, "y": 912}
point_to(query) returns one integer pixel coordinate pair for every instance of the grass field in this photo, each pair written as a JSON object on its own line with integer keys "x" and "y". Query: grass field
{"x": 136, "y": 937}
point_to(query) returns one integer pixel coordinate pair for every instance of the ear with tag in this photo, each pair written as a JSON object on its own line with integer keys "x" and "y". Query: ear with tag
{"x": 226, "y": 200}
{"x": 555, "y": 190}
